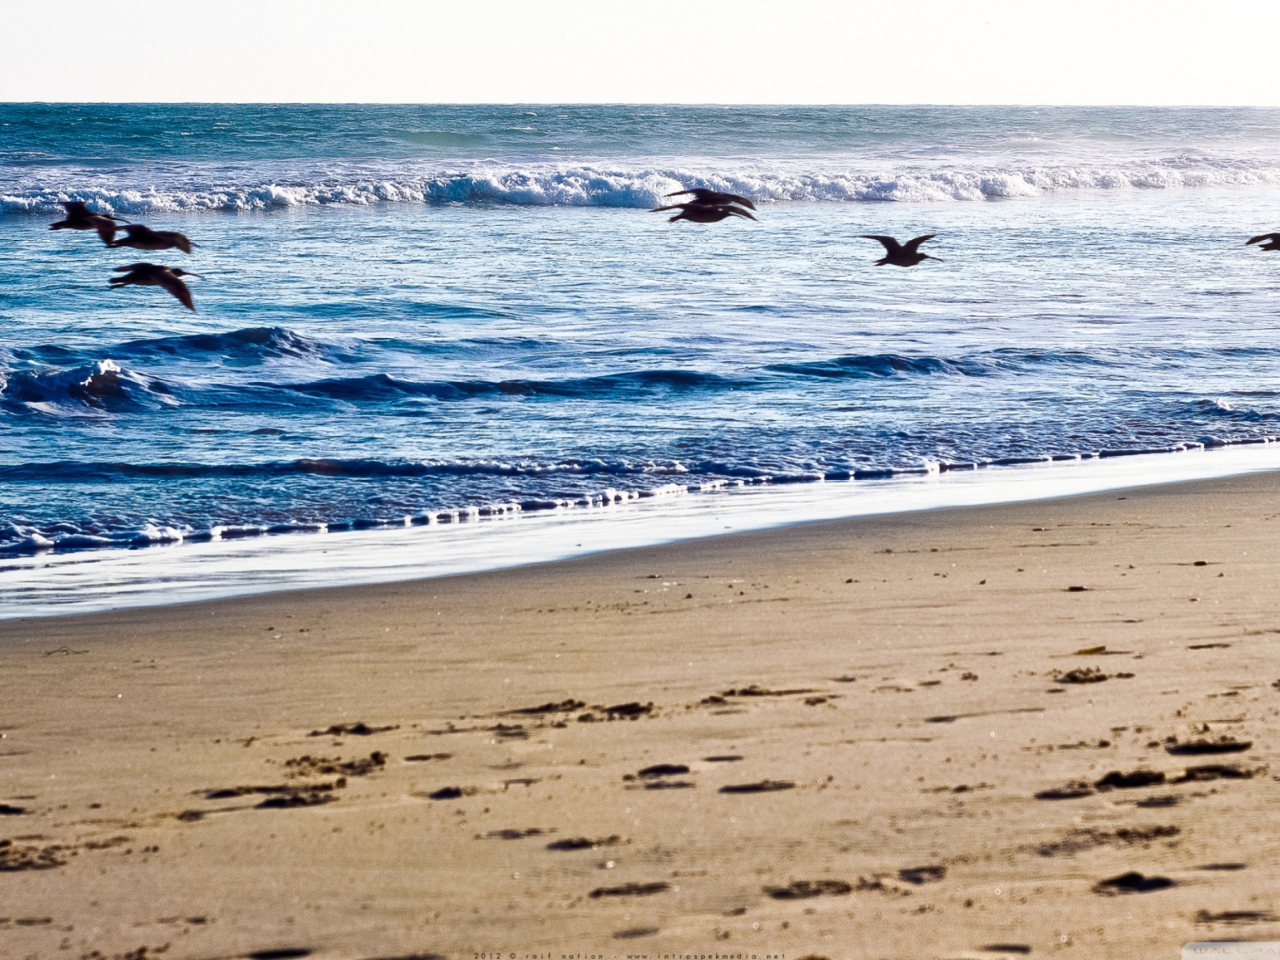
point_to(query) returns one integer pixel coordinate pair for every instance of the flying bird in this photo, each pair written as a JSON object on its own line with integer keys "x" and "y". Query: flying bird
{"x": 703, "y": 212}
{"x": 154, "y": 275}
{"x": 144, "y": 238}
{"x": 901, "y": 254}
{"x": 714, "y": 197}
{"x": 1272, "y": 241}
{"x": 80, "y": 217}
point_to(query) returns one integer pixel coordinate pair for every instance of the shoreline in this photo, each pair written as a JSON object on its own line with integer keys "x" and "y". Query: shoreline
{"x": 64, "y": 583}
{"x": 950, "y": 733}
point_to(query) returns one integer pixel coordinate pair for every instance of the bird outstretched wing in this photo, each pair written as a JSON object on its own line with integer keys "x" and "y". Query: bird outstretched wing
{"x": 106, "y": 228}
{"x": 913, "y": 245}
{"x": 737, "y": 213}
{"x": 703, "y": 195}
{"x": 674, "y": 206}
{"x": 134, "y": 266}
{"x": 177, "y": 288}
{"x": 76, "y": 208}
{"x": 1273, "y": 237}
{"x": 890, "y": 244}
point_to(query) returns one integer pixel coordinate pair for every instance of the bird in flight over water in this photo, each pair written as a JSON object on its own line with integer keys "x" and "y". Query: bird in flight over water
{"x": 714, "y": 197}
{"x": 1272, "y": 241}
{"x": 144, "y": 238}
{"x": 702, "y": 212}
{"x": 901, "y": 254}
{"x": 80, "y": 217}
{"x": 707, "y": 206}
{"x": 154, "y": 275}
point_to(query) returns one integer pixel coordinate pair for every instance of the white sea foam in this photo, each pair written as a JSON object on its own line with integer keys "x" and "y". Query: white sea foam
{"x": 542, "y": 184}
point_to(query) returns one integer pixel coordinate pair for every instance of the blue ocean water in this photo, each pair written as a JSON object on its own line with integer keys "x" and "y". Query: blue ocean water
{"x": 409, "y": 314}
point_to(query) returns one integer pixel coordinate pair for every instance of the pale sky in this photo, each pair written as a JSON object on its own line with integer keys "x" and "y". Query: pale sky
{"x": 1170, "y": 52}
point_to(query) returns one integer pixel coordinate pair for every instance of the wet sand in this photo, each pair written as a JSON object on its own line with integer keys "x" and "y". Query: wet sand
{"x": 1042, "y": 728}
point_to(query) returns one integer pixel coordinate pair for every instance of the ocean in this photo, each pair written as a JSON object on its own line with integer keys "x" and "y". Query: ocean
{"x": 420, "y": 319}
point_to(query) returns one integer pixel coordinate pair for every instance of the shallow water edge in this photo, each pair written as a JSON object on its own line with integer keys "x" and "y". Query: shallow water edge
{"x": 101, "y": 580}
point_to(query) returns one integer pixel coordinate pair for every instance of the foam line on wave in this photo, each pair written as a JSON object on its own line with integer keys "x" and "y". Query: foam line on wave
{"x": 541, "y": 185}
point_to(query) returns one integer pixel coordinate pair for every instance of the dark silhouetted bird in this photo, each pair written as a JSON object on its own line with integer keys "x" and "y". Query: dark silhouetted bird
{"x": 154, "y": 275}
{"x": 144, "y": 238}
{"x": 901, "y": 254}
{"x": 1272, "y": 241}
{"x": 707, "y": 206}
{"x": 80, "y": 217}
{"x": 703, "y": 212}
{"x": 714, "y": 197}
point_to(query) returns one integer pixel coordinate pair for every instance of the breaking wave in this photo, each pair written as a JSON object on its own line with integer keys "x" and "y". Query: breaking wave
{"x": 621, "y": 185}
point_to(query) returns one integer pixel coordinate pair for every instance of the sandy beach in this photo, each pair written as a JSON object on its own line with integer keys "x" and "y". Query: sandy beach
{"x": 1043, "y": 728}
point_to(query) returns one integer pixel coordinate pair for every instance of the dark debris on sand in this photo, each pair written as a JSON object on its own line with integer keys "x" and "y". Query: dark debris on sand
{"x": 662, "y": 770}
{"x": 564, "y": 706}
{"x": 804, "y": 889}
{"x": 922, "y": 875}
{"x": 281, "y": 797}
{"x": 511, "y": 834}
{"x": 757, "y": 691}
{"x": 1077, "y": 841}
{"x": 1236, "y": 916}
{"x": 1072, "y": 791}
{"x": 1201, "y": 747}
{"x": 450, "y": 793}
{"x": 1132, "y": 882}
{"x": 309, "y": 766}
{"x": 630, "y": 890}
{"x": 763, "y": 786}
{"x": 584, "y": 843}
{"x": 1115, "y": 780}
{"x": 1086, "y": 675}
{"x": 1214, "y": 771}
{"x": 358, "y": 729}
{"x": 14, "y": 858}
{"x": 634, "y": 932}
{"x": 631, "y": 711}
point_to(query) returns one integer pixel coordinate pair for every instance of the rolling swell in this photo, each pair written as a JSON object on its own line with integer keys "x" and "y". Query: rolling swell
{"x": 249, "y": 345}
{"x": 622, "y": 386}
{"x": 102, "y": 386}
